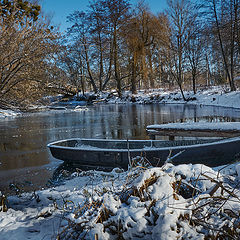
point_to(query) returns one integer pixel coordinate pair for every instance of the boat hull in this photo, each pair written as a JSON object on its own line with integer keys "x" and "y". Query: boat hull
{"x": 211, "y": 153}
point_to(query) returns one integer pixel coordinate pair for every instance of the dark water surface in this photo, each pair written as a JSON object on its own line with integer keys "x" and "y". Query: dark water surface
{"x": 26, "y": 162}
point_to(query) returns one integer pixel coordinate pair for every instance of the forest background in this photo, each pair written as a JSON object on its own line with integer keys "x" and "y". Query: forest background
{"x": 116, "y": 46}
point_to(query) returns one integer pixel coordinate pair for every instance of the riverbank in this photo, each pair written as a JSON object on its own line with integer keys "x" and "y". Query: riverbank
{"x": 212, "y": 96}
{"x": 190, "y": 201}
{"x": 8, "y": 113}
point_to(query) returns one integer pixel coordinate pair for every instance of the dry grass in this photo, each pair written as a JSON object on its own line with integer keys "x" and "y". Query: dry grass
{"x": 212, "y": 213}
{"x": 3, "y": 203}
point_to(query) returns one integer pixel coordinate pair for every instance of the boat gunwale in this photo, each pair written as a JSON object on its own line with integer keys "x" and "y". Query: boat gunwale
{"x": 146, "y": 149}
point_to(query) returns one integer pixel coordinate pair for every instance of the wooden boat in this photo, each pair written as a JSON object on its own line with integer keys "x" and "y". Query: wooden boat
{"x": 116, "y": 153}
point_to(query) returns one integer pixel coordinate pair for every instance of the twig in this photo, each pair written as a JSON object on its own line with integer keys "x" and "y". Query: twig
{"x": 129, "y": 157}
{"x": 169, "y": 158}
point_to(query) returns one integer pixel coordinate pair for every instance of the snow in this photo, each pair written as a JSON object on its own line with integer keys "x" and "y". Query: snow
{"x": 142, "y": 203}
{"x": 224, "y": 126}
{"x": 212, "y": 96}
{"x": 238, "y": 170}
{"x": 8, "y": 113}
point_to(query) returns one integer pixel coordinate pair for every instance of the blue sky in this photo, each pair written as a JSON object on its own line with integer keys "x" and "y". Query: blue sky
{"x": 60, "y": 9}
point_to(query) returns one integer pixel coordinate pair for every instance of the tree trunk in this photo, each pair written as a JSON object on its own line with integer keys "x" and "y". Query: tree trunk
{"x": 181, "y": 90}
{"x": 194, "y": 80}
{"x": 89, "y": 70}
{"x": 101, "y": 64}
{"x": 82, "y": 79}
{"x": 144, "y": 70}
{"x": 152, "y": 85}
{"x": 230, "y": 79}
{"x": 109, "y": 72}
{"x": 179, "y": 76}
{"x": 209, "y": 75}
{"x": 133, "y": 77}
{"x": 116, "y": 64}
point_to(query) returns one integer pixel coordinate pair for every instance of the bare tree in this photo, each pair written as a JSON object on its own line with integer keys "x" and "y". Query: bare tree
{"x": 117, "y": 15}
{"x": 103, "y": 42}
{"x": 27, "y": 46}
{"x": 194, "y": 52}
{"x": 182, "y": 19}
{"x": 71, "y": 61}
{"x": 226, "y": 20}
{"x": 80, "y": 34}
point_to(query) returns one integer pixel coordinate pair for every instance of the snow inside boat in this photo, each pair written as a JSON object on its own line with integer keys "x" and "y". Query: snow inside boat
{"x": 115, "y": 153}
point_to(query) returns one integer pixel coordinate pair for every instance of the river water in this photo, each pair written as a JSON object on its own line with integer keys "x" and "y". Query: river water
{"x": 26, "y": 163}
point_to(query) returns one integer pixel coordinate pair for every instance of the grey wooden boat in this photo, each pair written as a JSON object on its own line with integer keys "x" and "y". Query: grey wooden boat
{"x": 116, "y": 153}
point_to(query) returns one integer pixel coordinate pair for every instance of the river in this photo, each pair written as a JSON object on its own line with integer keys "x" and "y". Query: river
{"x": 26, "y": 163}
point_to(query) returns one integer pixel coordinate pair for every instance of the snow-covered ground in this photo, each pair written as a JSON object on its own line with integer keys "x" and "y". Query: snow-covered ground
{"x": 215, "y": 96}
{"x": 8, "y": 113}
{"x": 171, "y": 202}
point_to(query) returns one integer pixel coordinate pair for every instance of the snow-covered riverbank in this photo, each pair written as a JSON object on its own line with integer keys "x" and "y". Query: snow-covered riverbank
{"x": 213, "y": 96}
{"x": 8, "y": 113}
{"x": 189, "y": 201}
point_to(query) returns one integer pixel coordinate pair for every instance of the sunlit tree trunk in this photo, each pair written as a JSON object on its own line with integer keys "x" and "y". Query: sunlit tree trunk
{"x": 116, "y": 63}
{"x": 134, "y": 74}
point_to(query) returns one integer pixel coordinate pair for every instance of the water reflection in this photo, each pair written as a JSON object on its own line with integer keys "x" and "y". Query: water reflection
{"x": 23, "y": 139}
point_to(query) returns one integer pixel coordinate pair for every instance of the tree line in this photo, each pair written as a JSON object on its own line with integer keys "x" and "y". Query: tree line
{"x": 116, "y": 45}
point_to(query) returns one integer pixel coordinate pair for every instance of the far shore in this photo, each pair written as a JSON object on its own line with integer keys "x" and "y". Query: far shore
{"x": 219, "y": 96}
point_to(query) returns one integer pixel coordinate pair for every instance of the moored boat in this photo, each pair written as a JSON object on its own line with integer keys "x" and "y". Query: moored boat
{"x": 116, "y": 153}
